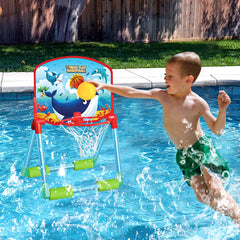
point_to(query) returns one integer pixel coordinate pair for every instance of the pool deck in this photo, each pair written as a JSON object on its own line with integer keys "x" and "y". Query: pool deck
{"x": 22, "y": 82}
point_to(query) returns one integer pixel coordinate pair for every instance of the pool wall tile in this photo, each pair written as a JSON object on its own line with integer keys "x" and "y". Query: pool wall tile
{"x": 227, "y": 89}
{"x": 229, "y": 82}
{"x": 1, "y": 79}
{"x": 198, "y": 89}
{"x": 211, "y": 89}
{"x": 8, "y": 96}
{"x": 210, "y": 80}
{"x": 236, "y": 90}
{"x": 16, "y": 96}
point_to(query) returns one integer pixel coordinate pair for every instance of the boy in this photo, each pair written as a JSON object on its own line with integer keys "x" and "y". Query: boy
{"x": 203, "y": 168}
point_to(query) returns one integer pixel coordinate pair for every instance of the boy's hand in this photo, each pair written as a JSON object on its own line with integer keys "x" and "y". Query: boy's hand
{"x": 223, "y": 100}
{"x": 98, "y": 85}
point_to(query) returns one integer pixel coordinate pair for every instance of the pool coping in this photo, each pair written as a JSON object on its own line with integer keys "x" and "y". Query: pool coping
{"x": 147, "y": 78}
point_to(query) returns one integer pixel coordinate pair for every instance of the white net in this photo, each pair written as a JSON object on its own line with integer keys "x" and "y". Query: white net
{"x": 88, "y": 138}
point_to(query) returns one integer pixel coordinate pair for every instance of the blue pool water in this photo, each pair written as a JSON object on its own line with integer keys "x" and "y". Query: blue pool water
{"x": 153, "y": 203}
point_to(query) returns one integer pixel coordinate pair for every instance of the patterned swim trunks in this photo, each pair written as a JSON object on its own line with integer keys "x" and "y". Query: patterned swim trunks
{"x": 202, "y": 153}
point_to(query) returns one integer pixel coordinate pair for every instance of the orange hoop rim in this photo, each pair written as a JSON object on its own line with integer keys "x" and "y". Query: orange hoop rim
{"x": 79, "y": 121}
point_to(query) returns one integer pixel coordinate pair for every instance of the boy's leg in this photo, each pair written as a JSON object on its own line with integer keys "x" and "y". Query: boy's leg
{"x": 225, "y": 204}
{"x": 209, "y": 190}
{"x": 201, "y": 190}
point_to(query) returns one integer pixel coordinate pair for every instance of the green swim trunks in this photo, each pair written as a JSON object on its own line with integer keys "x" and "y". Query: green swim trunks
{"x": 202, "y": 153}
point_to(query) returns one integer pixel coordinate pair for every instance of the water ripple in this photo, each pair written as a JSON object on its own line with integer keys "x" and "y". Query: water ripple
{"x": 153, "y": 203}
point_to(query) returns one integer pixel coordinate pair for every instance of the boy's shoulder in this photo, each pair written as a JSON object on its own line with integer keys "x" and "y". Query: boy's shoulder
{"x": 158, "y": 93}
{"x": 197, "y": 97}
{"x": 199, "y": 100}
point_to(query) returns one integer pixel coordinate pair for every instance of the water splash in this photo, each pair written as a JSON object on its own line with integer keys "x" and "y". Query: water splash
{"x": 188, "y": 125}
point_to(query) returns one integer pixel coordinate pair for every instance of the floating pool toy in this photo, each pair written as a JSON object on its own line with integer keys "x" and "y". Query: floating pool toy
{"x": 86, "y": 91}
{"x": 86, "y": 118}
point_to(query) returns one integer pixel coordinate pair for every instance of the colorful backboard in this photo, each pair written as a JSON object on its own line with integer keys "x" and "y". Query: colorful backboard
{"x": 60, "y": 83}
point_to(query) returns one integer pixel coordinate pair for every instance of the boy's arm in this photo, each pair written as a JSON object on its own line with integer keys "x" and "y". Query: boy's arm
{"x": 217, "y": 124}
{"x": 130, "y": 92}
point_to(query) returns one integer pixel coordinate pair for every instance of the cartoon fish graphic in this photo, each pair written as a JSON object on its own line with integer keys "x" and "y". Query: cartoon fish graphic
{"x": 65, "y": 110}
{"x": 102, "y": 72}
{"x": 52, "y": 77}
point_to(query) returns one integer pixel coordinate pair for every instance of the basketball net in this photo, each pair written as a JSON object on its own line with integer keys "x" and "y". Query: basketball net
{"x": 87, "y": 137}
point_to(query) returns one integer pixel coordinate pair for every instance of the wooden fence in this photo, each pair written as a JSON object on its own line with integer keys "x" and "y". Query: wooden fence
{"x": 117, "y": 20}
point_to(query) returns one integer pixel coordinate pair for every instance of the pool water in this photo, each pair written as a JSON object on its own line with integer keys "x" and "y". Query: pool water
{"x": 153, "y": 203}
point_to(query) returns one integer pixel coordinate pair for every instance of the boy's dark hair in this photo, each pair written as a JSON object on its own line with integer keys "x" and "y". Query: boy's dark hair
{"x": 189, "y": 62}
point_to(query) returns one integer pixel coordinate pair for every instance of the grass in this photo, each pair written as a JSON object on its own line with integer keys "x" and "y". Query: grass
{"x": 24, "y": 57}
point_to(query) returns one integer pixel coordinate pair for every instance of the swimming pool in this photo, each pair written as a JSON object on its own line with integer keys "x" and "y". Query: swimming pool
{"x": 153, "y": 203}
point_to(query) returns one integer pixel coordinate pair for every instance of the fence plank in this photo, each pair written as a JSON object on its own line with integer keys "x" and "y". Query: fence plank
{"x": 117, "y": 20}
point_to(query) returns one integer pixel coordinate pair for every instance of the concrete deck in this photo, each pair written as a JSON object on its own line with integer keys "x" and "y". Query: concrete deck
{"x": 20, "y": 82}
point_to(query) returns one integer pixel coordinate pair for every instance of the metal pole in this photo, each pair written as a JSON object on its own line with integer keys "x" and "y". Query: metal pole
{"x": 85, "y": 189}
{"x": 117, "y": 156}
{"x": 56, "y": 169}
{"x": 101, "y": 141}
{"x": 25, "y": 172}
{"x": 29, "y": 150}
{"x": 45, "y": 189}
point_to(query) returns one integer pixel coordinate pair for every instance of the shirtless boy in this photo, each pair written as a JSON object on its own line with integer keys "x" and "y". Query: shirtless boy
{"x": 202, "y": 166}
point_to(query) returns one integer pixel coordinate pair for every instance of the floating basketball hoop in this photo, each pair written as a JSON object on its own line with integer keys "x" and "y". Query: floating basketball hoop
{"x": 88, "y": 133}
{"x": 57, "y": 101}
